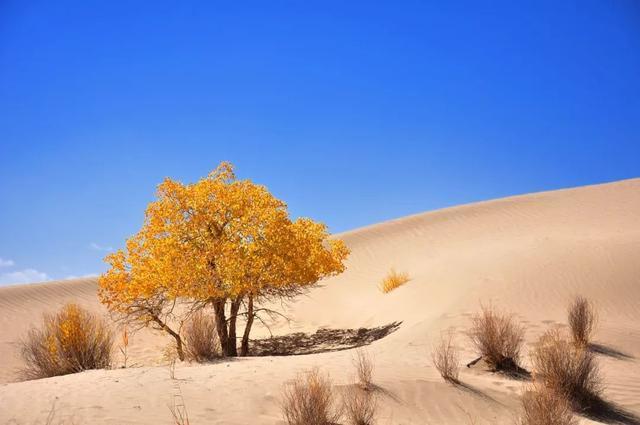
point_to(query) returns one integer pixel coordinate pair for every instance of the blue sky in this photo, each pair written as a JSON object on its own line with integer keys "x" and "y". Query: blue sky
{"x": 352, "y": 112}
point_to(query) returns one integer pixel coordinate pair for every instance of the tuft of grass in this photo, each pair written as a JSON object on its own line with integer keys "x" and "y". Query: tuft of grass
{"x": 201, "y": 338}
{"x": 582, "y": 320}
{"x": 445, "y": 358}
{"x": 393, "y": 280}
{"x": 542, "y": 406}
{"x": 364, "y": 369}
{"x": 498, "y": 338}
{"x": 569, "y": 371}
{"x": 170, "y": 356}
{"x": 70, "y": 341}
{"x": 124, "y": 346}
{"x": 359, "y": 406}
{"x": 309, "y": 400}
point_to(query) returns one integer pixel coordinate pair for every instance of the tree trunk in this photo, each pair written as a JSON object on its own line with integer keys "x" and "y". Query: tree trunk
{"x": 173, "y": 333}
{"x": 221, "y": 324}
{"x": 232, "y": 350}
{"x": 244, "y": 348}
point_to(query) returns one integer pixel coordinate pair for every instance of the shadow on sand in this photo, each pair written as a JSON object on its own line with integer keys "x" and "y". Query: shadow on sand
{"x": 468, "y": 388}
{"x": 320, "y": 342}
{"x": 376, "y": 389}
{"x": 609, "y": 352}
{"x": 508, "y": 369}
{"x": 610, "y": 413}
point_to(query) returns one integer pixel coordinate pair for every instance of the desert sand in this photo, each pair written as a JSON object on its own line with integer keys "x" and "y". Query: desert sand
{"x": 529, "y": 255}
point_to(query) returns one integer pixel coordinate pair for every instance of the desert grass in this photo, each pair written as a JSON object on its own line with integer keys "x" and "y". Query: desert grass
{"x": 582, "y": 320}
{"x": 309, "y": 400}
{"x": 542, "y": 406}
{"x": 498, "y": 338}
{"x": 393, "y": 280}
{"x": 70, "y": 341}
{"x": 124, "y": 346}
{"x": 364, "y": 369}
{"x": 569, "y": 371}
{"x": 445, "y": 358}
{"x": 178, "y": 409}
{"x": 170, "y": 358}
{"x": 179, "y": 416}
{"x": 359, "y": 406}
{"x": 201, "y": 338}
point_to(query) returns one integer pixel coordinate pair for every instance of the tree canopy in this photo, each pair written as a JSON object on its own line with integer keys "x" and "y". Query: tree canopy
{"x": 218, "y": 242}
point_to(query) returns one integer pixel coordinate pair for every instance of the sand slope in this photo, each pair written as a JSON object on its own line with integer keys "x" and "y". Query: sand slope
{"x": 526, "y": 254}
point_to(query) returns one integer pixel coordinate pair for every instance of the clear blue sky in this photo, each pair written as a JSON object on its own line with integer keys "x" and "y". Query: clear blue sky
{"x": 352, "y": 112}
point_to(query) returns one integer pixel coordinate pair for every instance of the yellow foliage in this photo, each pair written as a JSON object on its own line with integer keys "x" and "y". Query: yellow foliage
{"x": 70, "y": 341}
{"x": 392, "y": 280}
{"x": 218, "y": 239}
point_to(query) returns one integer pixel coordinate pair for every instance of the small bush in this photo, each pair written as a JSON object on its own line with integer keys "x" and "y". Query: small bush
{"x": 445, "y": 358}
{"x": 201, "y": 338}
{"x": 582, "y": 320}
{"x": 569, "y": 371}
{"x": 359, "y": 407}
{"x": 69, "y": 341}
{"x": 364, "y": 369}
{"x": 541, "y": 406}
{"x": 498, "y": 338}
{"x": 393, "y": 280}
{"x": 309, "y": 400}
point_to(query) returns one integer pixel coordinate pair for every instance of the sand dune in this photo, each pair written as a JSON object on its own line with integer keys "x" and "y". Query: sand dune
{"x": 526, "y": 254}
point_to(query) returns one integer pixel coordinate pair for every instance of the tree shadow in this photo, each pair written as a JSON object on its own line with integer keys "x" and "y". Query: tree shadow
{"x": 610, "y": 413}
{"x": 609, "y": 352}
{"x": 322, "y": 341}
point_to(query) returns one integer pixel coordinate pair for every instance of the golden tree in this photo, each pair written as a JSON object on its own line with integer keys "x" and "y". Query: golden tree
{"x": 219, "y": 242}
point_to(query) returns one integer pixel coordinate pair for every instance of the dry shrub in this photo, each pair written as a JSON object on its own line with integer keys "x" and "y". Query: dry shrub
{"x": 392, "y": 280}
{"x": 359, "y": 406}
{"x": 201, "y": 338}
{"x": 309, "y": 400}
{"x": 364, "y": 369}
{"x": 498, "y": 338}
{"x": 445, "y": 358}
{"x": 69, "y": 341}
{"x": 541, "y": 406}
{"x": 582, "y": 320}
{"x": 569, "y": 371}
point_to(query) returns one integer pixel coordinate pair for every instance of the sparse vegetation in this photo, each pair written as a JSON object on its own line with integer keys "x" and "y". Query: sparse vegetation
{"x": 393, "y": 280}
{"x": 445, "y": 358}
{"x": 178, "y": 409}
{"x": 364, "y": 369}
{"x": 570, "y": 372}
{"x": 582, "y": 320}
{"x": 201, "y": 338}
{"x": 170, "y": 357}
{"x": 498, "y": 338}
{"x": 309, "y": 400}
{"x": 69, "y": 341}
{"x": 124, "y": 346}
{"x": 359, "y": 406}
{"x": 542, "y": 406}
